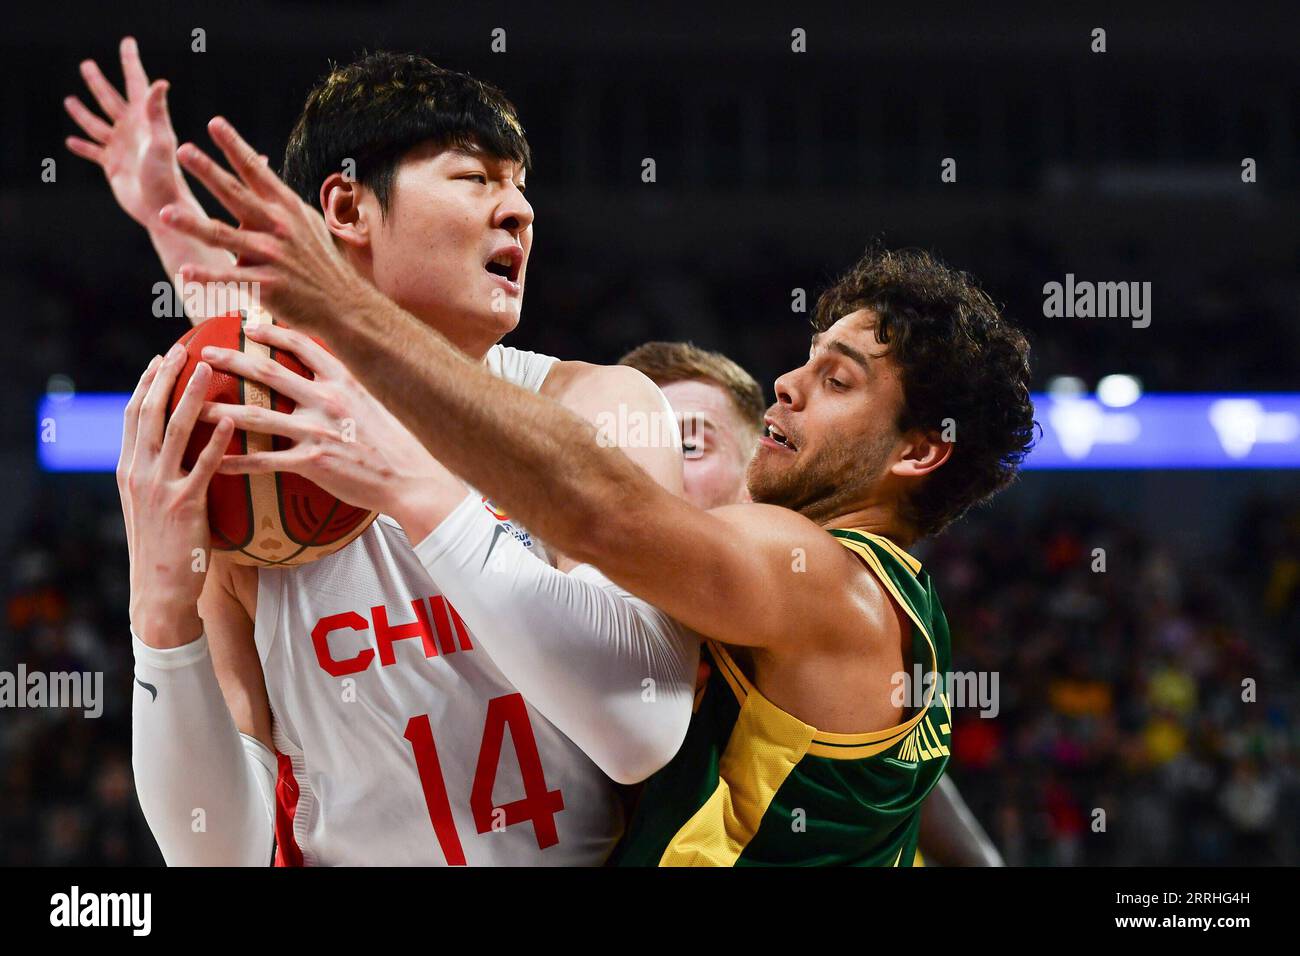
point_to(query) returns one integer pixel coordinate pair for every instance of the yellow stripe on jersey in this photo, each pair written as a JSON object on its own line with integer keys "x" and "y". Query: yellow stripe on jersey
{"x": 764, "y": 747}
{"x": 911, "y": 562}
{"x": 874, "y": 563}
{"x": 824, "y": 743}
{"x": 856, "y": 746}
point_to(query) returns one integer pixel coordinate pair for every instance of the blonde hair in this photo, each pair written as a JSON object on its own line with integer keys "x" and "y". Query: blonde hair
{"x": 667, "y": 362}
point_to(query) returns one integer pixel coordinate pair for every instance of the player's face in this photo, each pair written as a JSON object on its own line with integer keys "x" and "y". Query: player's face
{"x": 716, "y": 442}
{"x": 453, "y": 248}
{"x": 833, "y": 430}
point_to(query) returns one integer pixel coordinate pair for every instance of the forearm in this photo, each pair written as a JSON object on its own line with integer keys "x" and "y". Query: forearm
{"x": 494, "y": 435}
{"x": 207, "y": 791}
{"x": 612, "y": 672}
{"x": 950, "y": 834}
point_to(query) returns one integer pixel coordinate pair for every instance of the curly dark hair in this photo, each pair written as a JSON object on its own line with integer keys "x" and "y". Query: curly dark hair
{"x": 960, "y": 359}
{"x": 376, "y": 109}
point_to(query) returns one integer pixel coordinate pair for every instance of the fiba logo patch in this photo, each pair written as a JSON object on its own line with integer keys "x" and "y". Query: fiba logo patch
{"x": 521, "y": 534}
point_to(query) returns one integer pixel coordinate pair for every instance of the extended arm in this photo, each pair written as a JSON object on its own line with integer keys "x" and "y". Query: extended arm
{"x": 608, "y": 669}
{"x": 717, "y": 572}
{"x": 614, "y": 673}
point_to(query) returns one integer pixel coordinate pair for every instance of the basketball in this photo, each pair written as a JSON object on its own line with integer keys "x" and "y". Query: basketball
{"x": 278, "y": 519}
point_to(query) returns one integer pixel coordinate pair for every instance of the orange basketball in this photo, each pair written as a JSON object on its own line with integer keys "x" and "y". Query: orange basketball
{"x": 263, "y": 520}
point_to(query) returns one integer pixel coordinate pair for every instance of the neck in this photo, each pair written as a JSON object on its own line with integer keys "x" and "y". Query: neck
{"x": 473, "y": 342}
{"x": 475, "y": 346}
{"x": 876, "y": 518}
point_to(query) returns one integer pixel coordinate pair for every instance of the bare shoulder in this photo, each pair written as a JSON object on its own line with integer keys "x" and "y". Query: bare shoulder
{"x": 803, "y": 554}
{"x": 628, "y": 410}
{"x": 761, "y": 522}
{"x": 583, "y": 381}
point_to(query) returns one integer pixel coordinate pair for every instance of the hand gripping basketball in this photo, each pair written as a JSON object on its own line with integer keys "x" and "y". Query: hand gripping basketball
{"x": 277, "y": 518}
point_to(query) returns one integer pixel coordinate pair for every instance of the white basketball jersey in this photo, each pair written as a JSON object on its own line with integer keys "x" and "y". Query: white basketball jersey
{"x": 401, "y": 742}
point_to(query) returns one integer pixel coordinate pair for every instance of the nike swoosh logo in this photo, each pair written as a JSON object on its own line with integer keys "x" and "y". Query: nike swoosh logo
{"x": 496, "y": 536}
{"x": 149, "y": 687}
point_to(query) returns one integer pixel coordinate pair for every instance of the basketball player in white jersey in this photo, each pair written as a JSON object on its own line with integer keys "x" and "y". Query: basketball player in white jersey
{"x": 391, "y": 732}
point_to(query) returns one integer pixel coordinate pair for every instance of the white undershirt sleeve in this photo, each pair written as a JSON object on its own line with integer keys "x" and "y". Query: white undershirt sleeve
{"x": 612, "y": 672}
{"x": 207, "y": 790}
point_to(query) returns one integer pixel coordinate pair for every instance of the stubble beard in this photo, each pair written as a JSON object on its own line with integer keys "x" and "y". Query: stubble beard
{"x": 824, "y": 485}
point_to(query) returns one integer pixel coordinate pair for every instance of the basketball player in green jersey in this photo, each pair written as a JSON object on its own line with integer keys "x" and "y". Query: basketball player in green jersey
{"x": 720, "y": 409}
{"x": 912, "y": 406}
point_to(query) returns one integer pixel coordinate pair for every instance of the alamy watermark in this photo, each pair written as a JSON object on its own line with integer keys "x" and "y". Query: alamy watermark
{"x": 1101, "y": 300}
{"x": 36, "y": 689}
{"x": 633, "y": 428}
{"x": 962, "y": 689}
{"x": 178, "y": 298}
{"x": 133, "y": 911}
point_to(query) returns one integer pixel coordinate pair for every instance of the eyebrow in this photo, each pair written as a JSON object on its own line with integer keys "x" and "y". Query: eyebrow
{"x": 475, "y": 151}
{"x": 846, "y": 350}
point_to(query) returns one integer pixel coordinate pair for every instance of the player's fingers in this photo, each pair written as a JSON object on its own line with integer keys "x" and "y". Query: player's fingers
{"x": 312, "y": 353}
{"x": 242, "y": 203}
{"x": 90, "y": 124}
{"x": 204, "y": 275}
{"x": 155, "y": 104}
{"x": 132, "y": 68}
{"x": 259, "y": 463}
{"x": 85, "y": 149}
{"x": 246, "y": 161}
{"x": 262, "y": 369}
{"x": 251, "y": 418}
{"x": 209, "y": 460}
{"x": 106, "y": 95}
{"x": 227, "y": 281}
{"x": 131, "y": 415}
{"x": 153, "y": 410}
{"x": 181, "y": 423}
{"x": 245, "y": 243}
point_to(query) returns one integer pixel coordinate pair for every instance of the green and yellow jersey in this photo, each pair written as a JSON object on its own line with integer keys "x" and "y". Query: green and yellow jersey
{"x": 755, "y": 786}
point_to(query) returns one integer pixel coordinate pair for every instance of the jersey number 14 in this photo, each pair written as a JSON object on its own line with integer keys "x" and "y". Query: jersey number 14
{"x": 538, "y": 804}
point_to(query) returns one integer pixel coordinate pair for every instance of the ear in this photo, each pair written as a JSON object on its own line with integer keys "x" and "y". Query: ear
{"x": 346, "y": 215}
{"x": 922, "y": 454}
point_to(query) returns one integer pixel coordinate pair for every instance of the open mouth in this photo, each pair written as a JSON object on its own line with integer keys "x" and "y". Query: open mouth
{"x": 506, "y": 263}
{"x": 779, "y": 437}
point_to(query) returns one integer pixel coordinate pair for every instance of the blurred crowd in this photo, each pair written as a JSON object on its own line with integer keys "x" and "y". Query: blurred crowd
{"x": 1146, "y": 713}
{"x": 66, "y": 789}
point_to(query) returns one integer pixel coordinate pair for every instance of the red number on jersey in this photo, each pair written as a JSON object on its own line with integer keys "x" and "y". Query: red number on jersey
{"x": 420, "y": 734}
{"x": 538, "y": 804}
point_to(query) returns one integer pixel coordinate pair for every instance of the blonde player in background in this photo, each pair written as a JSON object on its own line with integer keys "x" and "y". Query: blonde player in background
{"x": 719, "y": 408}
{"x": 322, "y": 706}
